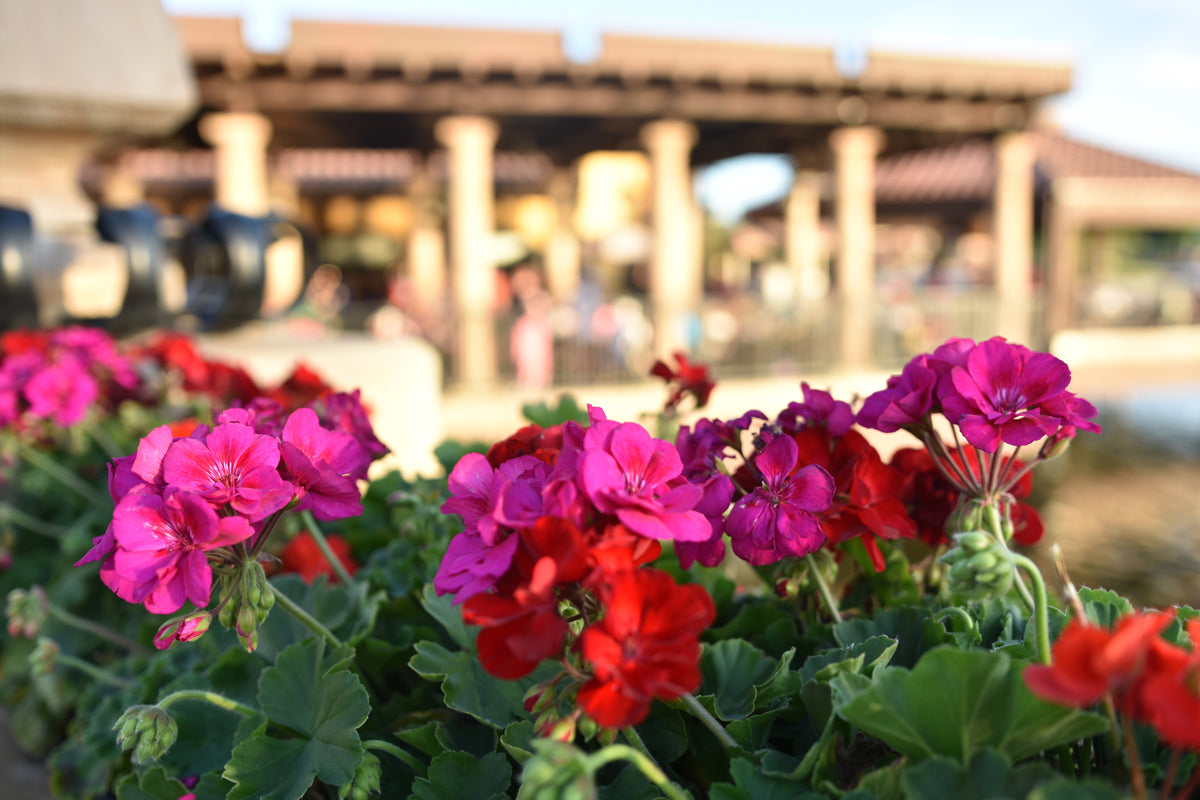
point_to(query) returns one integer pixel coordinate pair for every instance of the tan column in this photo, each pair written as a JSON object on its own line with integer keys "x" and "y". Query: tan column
{"x": 854, "y": 152}
{"x": 562, "y": 249}
{"x": 676, "y": 280}
{"x": 1063, "y": 230}
{"x": 802, "y": 243}
{"x": 469, "y": 141}
{"x": 1012, "y": 231}
{"x": 240, "y": 141}
{"x": 426, "y": 245}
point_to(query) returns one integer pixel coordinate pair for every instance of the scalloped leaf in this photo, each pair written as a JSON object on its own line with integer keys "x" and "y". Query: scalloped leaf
{"x": 457, "y": 775}
{"x": 322, "y": 706}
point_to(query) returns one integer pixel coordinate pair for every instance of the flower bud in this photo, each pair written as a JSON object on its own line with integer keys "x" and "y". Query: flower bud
{"x": 366, "y": 780}
{"x": 148, "y": 731}
{"x": 186, "y": 628}
{"x": 247, "y": 628}
{"x": 41, "y": 660}
{"x": 557, "y": 771}
{"x": 979, "y": 565}
{"x": 26, "y": 611}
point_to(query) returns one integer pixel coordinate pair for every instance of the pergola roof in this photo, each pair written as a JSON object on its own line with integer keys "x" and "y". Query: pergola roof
{"x": 373, "y": 85}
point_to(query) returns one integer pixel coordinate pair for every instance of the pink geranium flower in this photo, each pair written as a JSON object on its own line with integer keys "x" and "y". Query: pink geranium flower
{"x": 629, "y": 474}
{"x": 161, "y": 545}
{"x": 778, "y": 519}
{"x": 322, "y": 465}
{"x": 1006, "y": 393}
{"x": 233, "y": 465}
{"x": 471, "y": 566}
{"x": 61, "y": 392}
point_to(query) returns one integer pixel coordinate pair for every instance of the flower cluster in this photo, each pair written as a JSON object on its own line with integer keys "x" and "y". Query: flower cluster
{"x": 1149, "y": 679}
{"x": 565, "y": 521}
{"x": 185, "y": 503}
{"x": 59, "y": 375}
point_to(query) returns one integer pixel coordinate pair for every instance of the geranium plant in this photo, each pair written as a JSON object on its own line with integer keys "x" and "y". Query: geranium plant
{"x": 764, "y": 606}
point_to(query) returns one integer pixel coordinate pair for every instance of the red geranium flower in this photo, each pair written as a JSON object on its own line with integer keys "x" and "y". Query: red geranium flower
{"x": 302, "y": 556}
{"x": 647, "y": 645}
{"x": 690, "y": 379}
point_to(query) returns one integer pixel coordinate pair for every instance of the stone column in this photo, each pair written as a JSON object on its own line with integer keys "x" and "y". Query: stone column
{"x": 1063, "y": 227}
{"x": 240, "y": 141}
{"x": 802, "y": 243}
{"x": 854, "y": 150}
{"x": 469, "y": 141}
{"x": 676, "y": 280}
{"x": 562, "y": 248}
{"x": 1012, "y": 232}
{"x": 426, "y": 245}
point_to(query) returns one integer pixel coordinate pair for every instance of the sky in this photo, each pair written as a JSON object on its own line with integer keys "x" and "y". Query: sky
{"x": 1136, "y": 63}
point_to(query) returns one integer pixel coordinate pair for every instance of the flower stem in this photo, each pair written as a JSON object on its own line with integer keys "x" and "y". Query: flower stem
{"x": 398, "y": 752}
{"x": 10, "y": 513}
{"x": 710, "y": 722}
{"x": 218, "y": 700}
{"x": 955, "y": 611}
{"x": 1137, "y": 778}
{"x": 823, "y": 588}
{"x": 338, "y": 567}
{"x": 91, "y": 670}
{"x": 617, "y": 752}
{"x": 67, "y": 478}
{"x": 1041, "y": 610}
{"x": 95, "y": 628}
{"x": 1172, "y": 769}
{"x": 304, "y": 618}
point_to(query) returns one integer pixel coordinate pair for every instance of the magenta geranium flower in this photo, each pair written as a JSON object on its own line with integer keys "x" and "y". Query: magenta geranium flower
{"x": 629, "y": 474}
{"x": 1006, "y": 393}
{"x": 471, "y": 566}
{"x": 819, "y": 408}
{"x": 908, "y": 397}
{"x": 778, "y": 519}
{"x": 161, "y": 544}
{"x": 322, "y": 465}
{"x": 61, "y": 392}
{"x": 233, "y": 465}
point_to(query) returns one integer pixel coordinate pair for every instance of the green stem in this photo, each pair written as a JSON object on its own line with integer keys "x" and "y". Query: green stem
{"x": 304, "y": 618}
{"x": 955, "y": 611}
{"x": 996, "y": 528}
{"x": 338, "y": 567}
{"x": 1137, "y": 778}
{"x": 1041, "y": 610}
{"x": 69, "y": 479}
{"x": 823, "y": 588}
{"x": 810, "y": 758}
{"x": 710, "y": 722}
{"x": 102, "y": 675}
{"x": 96, "y": 629}
{"x": 106, "y": 442}
{"x": 619, "y": 752}
{"x": 218, "y": 700}
{"x": 398, "y": 752}
{"x": 10, "y": 513}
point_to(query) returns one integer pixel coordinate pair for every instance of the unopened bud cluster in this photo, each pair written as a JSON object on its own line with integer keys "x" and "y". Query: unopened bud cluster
{"x": 148, "y": 731}
{"x": 26, "y": 611}
{"x": 366, "y": 780}
{"x": 979, "y": 565}
{"x": 250, "y": 604}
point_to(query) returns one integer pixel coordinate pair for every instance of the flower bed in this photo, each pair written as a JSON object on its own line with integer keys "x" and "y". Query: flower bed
{"x": 744, "y": 608}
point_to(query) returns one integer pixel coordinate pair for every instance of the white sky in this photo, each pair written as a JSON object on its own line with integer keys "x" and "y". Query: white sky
{"x": 1136, "y": 62}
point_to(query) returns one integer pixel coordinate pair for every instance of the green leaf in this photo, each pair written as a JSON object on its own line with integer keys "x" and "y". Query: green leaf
{"x": 449, "y": 615}
{"x": 911, "y": 626}
{"x": 567, "y": 410}
{"x": 322, "y": 707}
{"x": 630, "y": 784}
{"x": 457, "y": 776}
{"x": 750, "y": 783}
{"x": 861, "y": 657}
{"x": 468, "y": 687}
{"x": 1065, "y": 789}
{"x": 955, "y": 702}
{"x": 1104, "y": 607}
{"x": 989, "y": 776}
{"x": 153, "y": 784}
{"x": 425, "y": 737}
{"x": 731, "y": 669}
{"x": 664, "y": 733}
{"x": 517, "y": 740}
